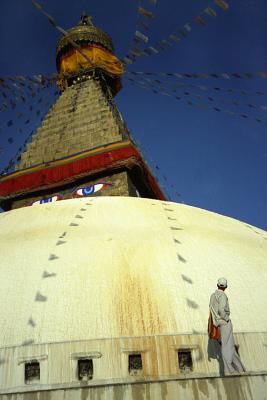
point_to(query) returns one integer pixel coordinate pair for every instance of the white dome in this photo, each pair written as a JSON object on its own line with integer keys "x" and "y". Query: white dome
{"x": 111, "y": 266}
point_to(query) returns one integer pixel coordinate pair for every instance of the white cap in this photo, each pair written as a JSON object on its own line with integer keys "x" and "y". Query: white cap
{"x": 222, "y": 282}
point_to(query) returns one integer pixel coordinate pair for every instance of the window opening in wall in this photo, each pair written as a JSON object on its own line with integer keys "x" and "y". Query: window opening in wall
{"x": 135, "y": 363}
{"x": 85, "y": 369}
{"x": 32, "y": 372}
{"x": 185, "y": 360}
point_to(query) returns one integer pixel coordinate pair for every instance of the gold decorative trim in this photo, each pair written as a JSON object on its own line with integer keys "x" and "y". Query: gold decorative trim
{"x": 88, "y": 33}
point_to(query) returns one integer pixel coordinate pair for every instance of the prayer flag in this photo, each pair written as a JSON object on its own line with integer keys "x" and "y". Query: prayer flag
{"x": 159, "y": 46}
{"x": 166, "y": 42}
{"x": 222, "y": 4}
{"x": 210, "y": 12}
{"x": 153, "y": 49}
{"x": 236, "y": 75}
{"x": 136, "y": 40}
{"x": 143, "y": 25}
{"x": 174, "y": 38}
{"x": 145, "y": 13}
{"x": 141, "y": 36}
{"x": 127, "y": 60}
{"x": 205, "y": 76}
{"x": 187, "y": 27}
{"x": 178, "y": 75}
{"x": 136, "y": 52}
{"x": 3, "y": 107}
{"x": 199, "y": 20}
{"x": 262, "y": 74}
{"x": 147, "y": 52}
{"x": 182, "y": 32}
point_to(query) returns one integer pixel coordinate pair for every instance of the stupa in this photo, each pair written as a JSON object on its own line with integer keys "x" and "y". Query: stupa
{"x": 105, "y": 283}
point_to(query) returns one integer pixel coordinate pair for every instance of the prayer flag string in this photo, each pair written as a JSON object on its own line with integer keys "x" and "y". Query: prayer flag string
{"x": 178, "y": 83}
{"x": 179, "y": 34}
{"x": 140, "y": 38}
{"x": 15, "y": 90}
{"x": 198, "y": 104}
{"x": 218, "y": 75}
{"x": 28, "y": 115}
{"x": 61, "y": 30}
{"x": 178, "y": 87}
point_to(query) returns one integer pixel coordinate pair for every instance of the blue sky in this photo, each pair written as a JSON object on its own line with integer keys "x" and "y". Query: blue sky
{"x": 214, "y": 160}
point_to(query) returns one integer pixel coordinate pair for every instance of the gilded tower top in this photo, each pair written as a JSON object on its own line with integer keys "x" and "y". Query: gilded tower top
{"x": 84, "y": 32}
{"x": 95, "y": 52}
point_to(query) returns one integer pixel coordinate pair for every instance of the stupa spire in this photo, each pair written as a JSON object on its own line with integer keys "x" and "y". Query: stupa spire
{"x": 83, "y": 144}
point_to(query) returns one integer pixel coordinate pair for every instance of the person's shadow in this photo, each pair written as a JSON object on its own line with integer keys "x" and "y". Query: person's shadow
{"x": 214, "y": 351}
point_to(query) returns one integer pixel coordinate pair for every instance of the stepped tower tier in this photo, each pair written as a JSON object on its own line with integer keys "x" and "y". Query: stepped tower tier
{"x": 83, "y": 142}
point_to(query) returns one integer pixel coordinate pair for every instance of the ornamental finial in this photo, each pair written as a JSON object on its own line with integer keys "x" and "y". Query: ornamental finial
{"x": 86, "y": 19}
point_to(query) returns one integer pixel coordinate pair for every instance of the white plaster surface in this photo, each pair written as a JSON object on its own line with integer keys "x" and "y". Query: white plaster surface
{"x": 121, "y": 273}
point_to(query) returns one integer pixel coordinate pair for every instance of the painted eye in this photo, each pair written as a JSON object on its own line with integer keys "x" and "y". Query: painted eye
{"x": 99, "y": 186}
{"x": 48, "y": 200}
{"x": 87, "y": 191}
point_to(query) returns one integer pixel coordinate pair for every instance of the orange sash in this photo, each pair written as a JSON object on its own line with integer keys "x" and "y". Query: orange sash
{"x": 213, "y": 331}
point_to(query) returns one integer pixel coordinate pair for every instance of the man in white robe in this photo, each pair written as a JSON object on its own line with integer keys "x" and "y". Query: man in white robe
{"x": 220, "y": 311}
